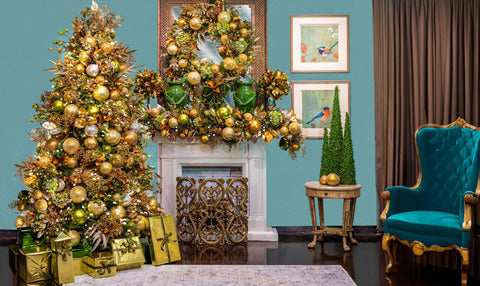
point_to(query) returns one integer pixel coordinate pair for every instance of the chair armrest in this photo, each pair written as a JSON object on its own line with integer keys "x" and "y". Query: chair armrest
{"x": 399, "y": 199}
{"x": 469, "y": 199}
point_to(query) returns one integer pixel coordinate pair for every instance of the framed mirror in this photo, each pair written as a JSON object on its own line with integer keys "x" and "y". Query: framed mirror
{"x": 254, "y": 11}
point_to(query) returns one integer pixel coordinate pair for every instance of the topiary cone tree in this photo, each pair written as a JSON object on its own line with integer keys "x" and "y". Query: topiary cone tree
{"x": 347, "y": 167}
{"x": 325, "y": 166}
{"x": 335, "y": 140}
{"x": 88, "y": 177}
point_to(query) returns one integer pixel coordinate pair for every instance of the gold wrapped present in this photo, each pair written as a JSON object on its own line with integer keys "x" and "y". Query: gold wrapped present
{"x": 163, "y": 240}
{"x": 128, "y": 253}
{"x": 62, "y": 259}
{"x": 34, "y": 264}
{"x": 13, "y": 258}
{"x": 100, "y": 264}
{"x": 20, "y": 282}
{"x": 77, "y": 266}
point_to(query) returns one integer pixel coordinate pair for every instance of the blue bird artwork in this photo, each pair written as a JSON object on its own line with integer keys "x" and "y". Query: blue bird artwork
{"x": 322, "y": 116}
{"x": 324, "y": 51}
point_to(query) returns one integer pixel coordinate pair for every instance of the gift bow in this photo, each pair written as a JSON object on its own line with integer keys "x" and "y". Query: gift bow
{"x": 105, "y": 266}
{"x": 41, "y": 269}
{"x": 165, "y": 240}
{"x": 64, "y": 249}
{"x": 128, "y": 246}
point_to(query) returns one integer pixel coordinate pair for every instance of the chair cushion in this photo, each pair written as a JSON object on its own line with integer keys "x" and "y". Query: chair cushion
{"x": 428, "y": 227}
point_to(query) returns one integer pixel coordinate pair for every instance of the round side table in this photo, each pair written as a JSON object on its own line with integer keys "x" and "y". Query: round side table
{"x": 349, "y": 194}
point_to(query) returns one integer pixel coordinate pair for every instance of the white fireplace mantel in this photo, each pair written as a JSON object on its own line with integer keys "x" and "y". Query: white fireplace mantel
{"x": 251, "y": 157}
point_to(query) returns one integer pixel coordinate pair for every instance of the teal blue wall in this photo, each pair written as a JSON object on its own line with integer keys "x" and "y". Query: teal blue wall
{"x": 29, "y": 27}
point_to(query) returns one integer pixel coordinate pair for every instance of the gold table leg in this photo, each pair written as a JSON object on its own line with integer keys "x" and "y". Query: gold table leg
{"x": 346, "y": 211}
{"x": 320, "y": 213}
{"x": 311, "y": 202}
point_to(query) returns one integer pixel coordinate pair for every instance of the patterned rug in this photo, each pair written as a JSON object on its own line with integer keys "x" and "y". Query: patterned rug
{"x": 213, "y": 275}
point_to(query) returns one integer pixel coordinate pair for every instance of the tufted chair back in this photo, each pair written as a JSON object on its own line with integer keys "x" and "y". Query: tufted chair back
{"x": 450, "y": 160}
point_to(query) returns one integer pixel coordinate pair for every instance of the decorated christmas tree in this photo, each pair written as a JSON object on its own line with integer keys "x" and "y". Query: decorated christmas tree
{"x": 347, "y": 166}
{"x": 88, "y": 177}
{"x": 336, "y": 135}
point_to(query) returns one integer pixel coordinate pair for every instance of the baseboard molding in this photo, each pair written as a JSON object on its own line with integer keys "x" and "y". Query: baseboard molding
{"x": 8, "y": 236}
{"x": 304, "y": 233}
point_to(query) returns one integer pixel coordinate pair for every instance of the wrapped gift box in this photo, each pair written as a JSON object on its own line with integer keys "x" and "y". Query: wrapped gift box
{"x": 26, "y": 238}
{"x": 20, "y": 282}
{"x": 34, "y": 264}
{"x": 77, "y": 266}
{"x": 62, "y": 259}
{"x": 128, "y": 253}
{"x": 163, "y": 240}
{"x": 99, "y": 265}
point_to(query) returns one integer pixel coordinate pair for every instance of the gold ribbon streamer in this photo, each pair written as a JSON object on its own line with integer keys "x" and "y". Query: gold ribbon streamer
{"x": 101, "y": 269}
{"x": 64, "y": 250}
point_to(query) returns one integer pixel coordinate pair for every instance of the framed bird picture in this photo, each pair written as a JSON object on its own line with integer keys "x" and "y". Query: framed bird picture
{"x": 312, "y": 102}
{"x": 319, "y": 43}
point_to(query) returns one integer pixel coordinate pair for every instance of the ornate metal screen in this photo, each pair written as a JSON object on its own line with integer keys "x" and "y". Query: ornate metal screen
{"x": 212, "y": 212}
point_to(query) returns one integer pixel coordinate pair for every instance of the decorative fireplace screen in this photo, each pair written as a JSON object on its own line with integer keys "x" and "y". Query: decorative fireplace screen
{"x": 212, "y": 212}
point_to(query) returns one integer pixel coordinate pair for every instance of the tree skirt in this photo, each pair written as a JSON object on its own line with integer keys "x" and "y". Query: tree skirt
{"x": 212, "y": 275}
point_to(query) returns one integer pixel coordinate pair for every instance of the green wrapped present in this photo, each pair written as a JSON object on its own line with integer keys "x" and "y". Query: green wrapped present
{"x": 80, "y": 251}
{"x": 99, "y": 265}
{"x": 128, "y": 253}
{"x": 163, "y": 240}
{"x": 34, "y": 265}
{"x": 62, "y": 259}
{"x": 26, "y": 238}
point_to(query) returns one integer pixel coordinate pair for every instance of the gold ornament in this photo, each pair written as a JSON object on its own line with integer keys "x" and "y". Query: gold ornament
{"x": 193, "y": 113}
{"x": 323, "y": 180}
{"x": 58, "y": 104}
{"x": 30, "y": 180}
{"x": 72, "y": 162}
{"x": 173, "y": 123}
{"x": 113, "y": 137}
{"x": 75, "y": 236}
{"x": 60, "y": 185}
{"x": 117, "y": 161}
{"x": 154, "y": 111}
{"x": 142, "y": 223}
{"x": 224, "y": 38}
{"x": 91, "y": 130}
{"x": 295, "y": 128}
{"x": 37, "y": 194}
{"x": 114, "y": 94}
{"x": 130, "y": 161}
{"x": 131, "y": 137}
{"x": 78, "y": 194}
{"x": 92, "y": 110}
{"x": 41, "y": 205}
{"x": 107, "y": 47}
{"x": 79, "y": 216}
{"x": 183, "y": 119}
{"x": 215, "y": 68}
{"x": 101, "y": 93}
{"x": 295, "y": 147}
{"x": 106, "y": 168}
{"x": 243, "y": 32}
{"x": 91, "y": 41}
{"x": 247, "y": 135}
{"x": 51, "y": 144}
{"x": 84, "y": 58}
{"x": 79, "y": 69}
{"x": 333, "y": 179}
{"x": 19, "y": 222}
{"x": 93, "y": 70}
{"x": 224, "y": 17}
{"x": 229, "y": 63}
{"x": 44, "y": 161}
{"x": 172, "y": 49}
{"x": 91, "y": 143}
{"x": 194, "y": 77}
{"x": 152, "y": 203}
{"x": 96, "y": 208}
{"x": 248, "y": 116}
{"x": 284, "y": 131}
{"x": 182, "y": 22}
{"x": 118, "y": 212}
{"x": 195, "y": 23}
{"x": 204, "y": 138}
{"x": 117, "y": 197}
{"x": 21, "y": 207}
{"x": 183, "y": 63}
{"x": 71, "y": 145}
{"x": 71, "y": 111}
{"x": 242, "y": 58}
{"x": 254, "y": 126}
{"x": 100, "y": 80}
{"x": 228, "y": 133}
{"x": 233, "y": 26}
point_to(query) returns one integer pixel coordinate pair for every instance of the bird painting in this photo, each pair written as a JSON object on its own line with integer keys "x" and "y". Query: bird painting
{"x": 322, "y": 116}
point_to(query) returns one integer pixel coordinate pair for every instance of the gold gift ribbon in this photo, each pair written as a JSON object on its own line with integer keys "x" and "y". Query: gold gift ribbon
{"x": 63, "y": 251}
{"x": 128, "y": 246}
{"x": 41, "y": 268}
{"x": 166, "y": 239}
{"x": 101, "y": 269}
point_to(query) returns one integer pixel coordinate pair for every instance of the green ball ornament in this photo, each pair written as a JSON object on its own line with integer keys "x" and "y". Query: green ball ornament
{"x": 79, "y": 216}
{"x": 223, "y": 112}
{"x": 113, "y": 137}
{"x": 58, "y": 104}
{"x": 183, "y": 119}
{"x": 92, "y": 110}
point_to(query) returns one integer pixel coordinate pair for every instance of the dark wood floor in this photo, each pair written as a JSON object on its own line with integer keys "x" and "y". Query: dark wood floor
{"x": 365, "y": 263}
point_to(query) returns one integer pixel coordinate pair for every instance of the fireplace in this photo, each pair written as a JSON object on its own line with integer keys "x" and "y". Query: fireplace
{"x": 244, "y": 159}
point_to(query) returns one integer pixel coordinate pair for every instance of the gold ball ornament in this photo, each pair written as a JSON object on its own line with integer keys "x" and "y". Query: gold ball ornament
{"x": 101, "y": 93}
{"x": 37, "y": 194}
{"x": 100, "y": 80}
{"x": 96, "y": 208}
{"x": 72, "y": 162}
{"x": 51, "y": 144}
{"x": 247, "y": 135}
{"x": 91, "y": 41}
{"x": 182, "y": 22}
{"x": 172, "y": 49}
{"x": 41, "y": 205}
{"x": 254, "y": 126}
{"x": 183, "y": 119}
{"x": 107, "y": 47}
{"x": 118, "y": 212}
{"x": 117, "y": 197}
{"x": 224, "y": 38}
{"x": 71, "y": 111}
{"x": 92, "y": 110}
{"x": 195, "y": 23}
{"x": 154, "y": 111}
{"x": 194, "y": 113}
{"x": 79, "y": 216}
{"x": 323, "y": 180}
{"x": 243, "y": 32}
{"x": 79, "y": 69}
{"x": 93, "y": 70}
{"x": 115, "y": 94}
{"x": 106, "y": 168}
{"x": 183, "y": 63}
{"x": 91, "y": 130}
{"x": 172, "y": 122}
{"x": 21, "y": 207}
{"x": 233, "y": 26}
{"x": 78, "y": 194}
{"x": 75, "y": 236}
{"x": 131, "y": 137}
{"x": 91, "y": 143}
{"x": 224, "y": 17}
{"x": 142, "y": 223}
{"x": 228, "y": 133}
{"x": 248, "y": 116}
{"x": 130, "y": 161}
{"x": 215, "y": 68}
{"x": 117, "y": 161}
{"x": 194, "y": 78}
{"x": 152, "y": 203}
{"x": 113, "y": 137}
{"x": 70, "y": 95}
{"x": 60, "y": 185}
{"x": 295, "y": 147}
{"x": 242, "y": 58}
{"x": 223, "y": 112}
{"x": 71, "y": 145}
{"x": 284, "y": 131}
{"x": 30, "y": 180}
{"x": 44, "y": 161}
{"x": 333, "y": 179}
{"x": 295, "y": 128}
{"x": 229, "y": 122}
{"x": 19, "y": 222}
{"x": 204, "y": 138}
{"x": 58, "y": 104}
{"x": 84, "y": 57}
{"x": 195, "y": 63}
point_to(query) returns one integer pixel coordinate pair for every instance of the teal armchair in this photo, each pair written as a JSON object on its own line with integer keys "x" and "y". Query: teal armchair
{"x": 436, "y": 213}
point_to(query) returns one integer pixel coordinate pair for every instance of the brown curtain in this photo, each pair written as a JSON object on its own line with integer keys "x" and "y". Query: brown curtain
{"x": 427, "y": 70}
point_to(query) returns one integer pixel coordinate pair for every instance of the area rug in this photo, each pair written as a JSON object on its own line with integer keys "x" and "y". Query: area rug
{"x": 213, "y": 275}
